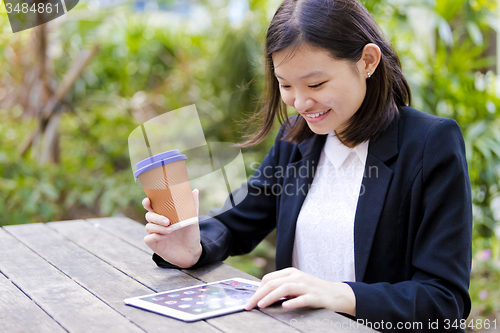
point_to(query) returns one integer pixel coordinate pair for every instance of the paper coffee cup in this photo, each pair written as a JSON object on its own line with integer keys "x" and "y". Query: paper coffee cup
{"x": 165, "y": 180}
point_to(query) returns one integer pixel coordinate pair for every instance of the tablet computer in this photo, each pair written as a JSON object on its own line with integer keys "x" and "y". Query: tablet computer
{"x": 199, "y": 302}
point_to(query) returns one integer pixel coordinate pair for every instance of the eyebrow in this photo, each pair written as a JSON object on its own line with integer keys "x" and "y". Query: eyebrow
{"x": 314, "y": 73}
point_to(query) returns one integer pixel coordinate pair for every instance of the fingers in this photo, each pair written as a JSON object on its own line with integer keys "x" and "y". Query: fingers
{"x": 151, "y": 239}
{"x": 270, "y": 282}
{"x": 196, "y": 197}
{"x": 304, "y": 291}
{"x": 157, "y": 219}
{"x": 297, "y": 302}
{"x": 269, "y": 293}
{"x": 285, "y": 289}
{"x": 152, "y": 228}
{"x": 278, "y": 274}
{"x": 146, "y": 203}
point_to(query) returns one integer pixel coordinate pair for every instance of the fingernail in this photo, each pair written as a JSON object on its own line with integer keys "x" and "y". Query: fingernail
{"x": 166, "y": 221}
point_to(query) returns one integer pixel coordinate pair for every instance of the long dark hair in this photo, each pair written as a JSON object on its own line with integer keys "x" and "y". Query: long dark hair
{"x": 343, "y": 28}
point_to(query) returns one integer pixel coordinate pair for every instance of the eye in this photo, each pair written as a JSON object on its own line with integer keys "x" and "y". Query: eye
{"x": 317, "y": 85}
{"x": 284, "y": 87}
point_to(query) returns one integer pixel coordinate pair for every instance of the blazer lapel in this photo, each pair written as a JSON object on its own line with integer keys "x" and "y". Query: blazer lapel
{"x": 375, "y": 184}
{"x": 374, "y": 187}
{"x": 296, "y": 184}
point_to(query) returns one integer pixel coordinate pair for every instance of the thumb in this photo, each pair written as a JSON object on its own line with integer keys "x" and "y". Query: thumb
{"x": 196, "y": 197}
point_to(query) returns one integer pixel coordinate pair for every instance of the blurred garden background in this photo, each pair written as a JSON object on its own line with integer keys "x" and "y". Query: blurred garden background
{"x": 72, "y": 90}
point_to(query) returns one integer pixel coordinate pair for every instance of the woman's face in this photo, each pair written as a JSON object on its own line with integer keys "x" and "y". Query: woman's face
{"x": 313, "y": 82}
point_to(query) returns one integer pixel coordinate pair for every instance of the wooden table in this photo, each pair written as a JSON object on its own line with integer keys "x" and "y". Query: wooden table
{"x": 73, "y": 276}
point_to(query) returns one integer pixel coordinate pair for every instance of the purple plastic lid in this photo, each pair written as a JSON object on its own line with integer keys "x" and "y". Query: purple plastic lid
{"x": 157, "y": 160}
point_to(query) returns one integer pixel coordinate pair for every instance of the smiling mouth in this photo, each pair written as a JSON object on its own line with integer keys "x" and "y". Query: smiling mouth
{"x": 315, "y": 115}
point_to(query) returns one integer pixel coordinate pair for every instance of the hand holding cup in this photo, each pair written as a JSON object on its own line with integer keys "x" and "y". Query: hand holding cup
{"x": 179, "y": 247}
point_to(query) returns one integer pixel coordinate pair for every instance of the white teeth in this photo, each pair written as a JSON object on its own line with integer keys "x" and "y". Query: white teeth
{"x": 315, "y": 115}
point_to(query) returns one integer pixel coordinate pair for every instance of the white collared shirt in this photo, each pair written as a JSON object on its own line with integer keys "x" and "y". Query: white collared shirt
{"x": 324, "y": 236}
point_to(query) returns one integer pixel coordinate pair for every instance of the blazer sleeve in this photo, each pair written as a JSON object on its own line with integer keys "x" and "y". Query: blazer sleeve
{"x": 241, "y": 228}
{"x": 442, "y": 249}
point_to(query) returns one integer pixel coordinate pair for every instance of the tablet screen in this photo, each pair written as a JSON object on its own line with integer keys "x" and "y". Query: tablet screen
{"x": 205, "y": 298}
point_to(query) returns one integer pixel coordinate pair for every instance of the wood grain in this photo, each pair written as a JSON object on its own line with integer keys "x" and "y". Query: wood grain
{"x": 134, "y": 231}
{"x": 122, "y": 255}
{"x": 250, "y": 321}
{"x": 138, "y": 264}
{"x": 74, "y": 275}
{"x": 107, "y": 283}
{"x": 73, "y": 307}
{"x": 315, "y": 320}
{"x": 19, "y": 314}
{"x": 124, "y": 228}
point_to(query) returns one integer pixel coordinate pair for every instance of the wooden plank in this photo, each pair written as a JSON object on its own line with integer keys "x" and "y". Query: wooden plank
{"x": 97, "y": 276}
{"x": 20, "y": 314}
{"x": 138, "y": 264}
{"x": 133, "y": 232}
{"x": 73, "y": 307}
{"x": 218, "y": 271}
{"x": 124, "y": 228}
{"x": 122, "y": 255}
{"x": 251, "y": 321}
{"x": 315, "y": 320}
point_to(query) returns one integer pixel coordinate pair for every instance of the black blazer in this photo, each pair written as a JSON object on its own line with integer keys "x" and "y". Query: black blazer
{"x": 412, "y": 229}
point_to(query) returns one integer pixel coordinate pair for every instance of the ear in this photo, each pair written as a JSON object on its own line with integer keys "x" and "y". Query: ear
{"x": 369, "y": 59}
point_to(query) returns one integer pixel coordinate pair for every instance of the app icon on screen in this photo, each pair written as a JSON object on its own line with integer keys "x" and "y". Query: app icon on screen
{"x": 173, "y": 295}
{"x": 184, "y": 306}
{"x": 170, "y": 302}
{"x": 186, "y": 299}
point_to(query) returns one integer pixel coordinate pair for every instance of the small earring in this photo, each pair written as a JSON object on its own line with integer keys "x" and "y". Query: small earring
{"x": 369, "y": 75}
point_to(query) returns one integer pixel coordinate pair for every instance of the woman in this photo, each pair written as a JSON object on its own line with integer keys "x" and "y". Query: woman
{"x": 371, "y": 198}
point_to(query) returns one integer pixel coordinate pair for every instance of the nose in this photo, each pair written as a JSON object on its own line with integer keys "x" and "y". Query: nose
{"x": 303, "y": 103}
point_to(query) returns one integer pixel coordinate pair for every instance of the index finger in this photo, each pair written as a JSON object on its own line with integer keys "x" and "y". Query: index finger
{"x": 277, "y": 274}
{"x": 264, "y": 289}
{"x": 146, "y": 203}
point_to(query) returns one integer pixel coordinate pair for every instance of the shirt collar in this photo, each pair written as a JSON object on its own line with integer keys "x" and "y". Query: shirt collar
{"x": 337, "y": 152}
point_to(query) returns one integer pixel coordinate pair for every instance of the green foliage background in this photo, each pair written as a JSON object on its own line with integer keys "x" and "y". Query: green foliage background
{"x": 150, "y": 63}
